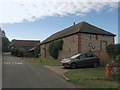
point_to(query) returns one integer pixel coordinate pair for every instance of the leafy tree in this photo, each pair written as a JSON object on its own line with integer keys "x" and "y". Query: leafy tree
{"x": 5, "y": 44}
{"x": 54, "y": 48}
{"x": 113, "y": 50}
{"x": 5, "y": 41}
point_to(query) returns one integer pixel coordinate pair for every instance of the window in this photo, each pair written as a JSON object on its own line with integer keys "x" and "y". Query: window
{"x": 82, "y": 56}
{"x": 93, "y": 37}
{"x": 90, "y": 55}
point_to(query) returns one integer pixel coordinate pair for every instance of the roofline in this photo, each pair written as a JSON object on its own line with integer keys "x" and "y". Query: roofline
{"x": 25, "y": 40}
{"x": 74, "y": 34}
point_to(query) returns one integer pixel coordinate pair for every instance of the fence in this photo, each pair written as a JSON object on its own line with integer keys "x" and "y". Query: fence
{"x": 103, "y": 56}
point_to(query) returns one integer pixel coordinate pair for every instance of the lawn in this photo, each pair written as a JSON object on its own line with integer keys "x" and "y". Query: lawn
{"x": 45, "y": 61}
{"x": 90, "y": 78}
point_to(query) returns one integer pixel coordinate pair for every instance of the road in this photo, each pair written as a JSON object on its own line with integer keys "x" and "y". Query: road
{"x": 18, "y": 73}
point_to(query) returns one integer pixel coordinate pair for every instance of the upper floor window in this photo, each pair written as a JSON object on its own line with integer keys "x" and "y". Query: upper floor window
{"x": 93, "y": 37}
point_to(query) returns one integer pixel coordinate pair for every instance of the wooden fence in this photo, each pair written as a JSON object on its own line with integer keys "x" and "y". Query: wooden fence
{"x": 103, "y": 56}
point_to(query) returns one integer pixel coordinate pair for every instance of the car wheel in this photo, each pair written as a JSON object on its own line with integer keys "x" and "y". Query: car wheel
{"x": 73, "y": 65}
{"x": 95, "y": 65}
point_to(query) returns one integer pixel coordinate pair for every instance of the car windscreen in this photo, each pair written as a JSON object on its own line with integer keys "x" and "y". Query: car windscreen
{"x": 75, "y": 56}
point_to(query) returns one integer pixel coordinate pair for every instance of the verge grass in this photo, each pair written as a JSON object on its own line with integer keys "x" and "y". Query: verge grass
{"x": 90, "y": 78}
{"x": 45, "y": 61}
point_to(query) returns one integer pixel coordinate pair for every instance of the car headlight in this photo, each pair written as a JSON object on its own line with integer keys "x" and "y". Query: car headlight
{"x": 65, "y": 61}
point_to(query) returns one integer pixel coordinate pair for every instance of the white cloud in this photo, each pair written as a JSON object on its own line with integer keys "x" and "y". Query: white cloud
{"x": 30, "y": 10}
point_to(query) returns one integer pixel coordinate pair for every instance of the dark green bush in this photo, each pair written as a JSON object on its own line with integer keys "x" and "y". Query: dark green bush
{"x": 113, "y": 50}
{"x": 18, "y": 51}
{"x": 54, "y": 48}
{"x": 118, "y": 58}
{"x": 21, "y": 52}
{"x": 15, "y": 51}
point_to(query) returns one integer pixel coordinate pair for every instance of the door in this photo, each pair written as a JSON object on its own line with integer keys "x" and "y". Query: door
{"x": 81, "y": 60}
{"x": 90, "y": 59}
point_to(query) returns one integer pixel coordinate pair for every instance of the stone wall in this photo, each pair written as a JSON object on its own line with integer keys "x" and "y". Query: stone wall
{"x": 42, "y": 51}
{"x": 96, "y": 44}
{"x": 87, "y": 42}
{"x": 70, "y": 46}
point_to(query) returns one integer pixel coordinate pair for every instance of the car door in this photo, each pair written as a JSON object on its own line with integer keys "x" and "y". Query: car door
{"x": 90, "y": 59}
{"x": 81, "y": 60}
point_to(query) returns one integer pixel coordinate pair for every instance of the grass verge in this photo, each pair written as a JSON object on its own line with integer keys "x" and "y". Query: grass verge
{"x": 45, "y": 61}
{"x": 90, "y": 78}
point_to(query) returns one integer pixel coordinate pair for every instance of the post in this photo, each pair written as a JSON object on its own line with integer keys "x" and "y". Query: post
{"x": 108, "y": 71}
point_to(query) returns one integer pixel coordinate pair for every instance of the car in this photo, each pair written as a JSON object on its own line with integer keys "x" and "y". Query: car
{"x": 81, "y": 60}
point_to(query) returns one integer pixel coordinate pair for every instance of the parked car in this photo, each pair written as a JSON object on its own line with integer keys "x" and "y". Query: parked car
{"x": 81, "y": 60}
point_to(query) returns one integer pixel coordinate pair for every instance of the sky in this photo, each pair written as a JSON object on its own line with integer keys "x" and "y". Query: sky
{"x": 37, "y": 20}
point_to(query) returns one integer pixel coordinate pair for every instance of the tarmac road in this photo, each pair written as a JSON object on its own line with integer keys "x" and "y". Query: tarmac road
{"x": 18, "y": 73}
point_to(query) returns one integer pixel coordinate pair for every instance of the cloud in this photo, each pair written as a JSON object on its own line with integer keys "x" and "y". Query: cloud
{"x": 29, "y": 11}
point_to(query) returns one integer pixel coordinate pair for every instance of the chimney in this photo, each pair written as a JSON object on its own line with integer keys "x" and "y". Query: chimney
{"x": 74, "y": 24}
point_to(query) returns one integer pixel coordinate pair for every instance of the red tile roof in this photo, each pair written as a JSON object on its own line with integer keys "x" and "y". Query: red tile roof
{"x": 28, "y": 43}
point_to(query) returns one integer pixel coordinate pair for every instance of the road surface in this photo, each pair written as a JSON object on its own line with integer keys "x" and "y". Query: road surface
{"x": 18, "y": 73}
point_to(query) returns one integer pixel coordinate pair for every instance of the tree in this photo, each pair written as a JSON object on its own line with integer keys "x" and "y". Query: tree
{"x": 2, "y": 33}
{"x": 5, "y": 42}
{"x": 113, "y": 50}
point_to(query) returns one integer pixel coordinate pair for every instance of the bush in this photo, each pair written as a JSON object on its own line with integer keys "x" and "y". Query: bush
{"x": 113, "y": 50}
{"x": 18, "y": 51}
{"x": 15, "y": 51}
{"x": 118, "y": 58}
{"x": 21, "y": 52}
{"x": 54, "y": 48}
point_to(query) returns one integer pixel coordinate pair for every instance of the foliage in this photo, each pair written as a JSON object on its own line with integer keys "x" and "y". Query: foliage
{"x": 15, "y": 51}
{"x": 5, "y": 44}
{"x": 113, "y": 50}
{"x": 54, "y": 48}
{"x": 2, "y": 33}
{"x": 18, "y": 51}
{"x": 118, "y": 58}
{"x": 21, "y": 52}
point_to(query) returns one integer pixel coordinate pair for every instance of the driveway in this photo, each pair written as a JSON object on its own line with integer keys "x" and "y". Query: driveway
{"x": 18, "y": 73}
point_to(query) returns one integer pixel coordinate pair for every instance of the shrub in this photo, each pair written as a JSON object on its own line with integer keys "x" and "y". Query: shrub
{"x": 15, "y": 51}
{"x": 54, "y": 48}
{"x": 18, "y": 51}
{"x": 113, "y": 50}
{"x": 118, "y": 58}
{"x": 21, "y": 52}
